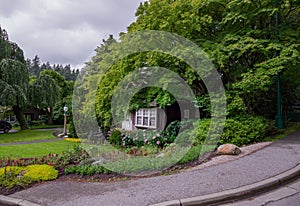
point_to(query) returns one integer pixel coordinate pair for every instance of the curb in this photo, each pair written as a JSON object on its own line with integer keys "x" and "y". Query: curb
{"x": 237, "y": 193}
{"x": 9, "y": 201}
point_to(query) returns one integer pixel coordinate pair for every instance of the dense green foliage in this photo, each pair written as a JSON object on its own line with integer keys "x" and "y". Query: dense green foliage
{"x": 249, "y": 42}
{"x": 46, "y": 89}
{"x": 241, "y": 130}
{"x": 115, "y": 137}
{"x": 12, "y": 176}
{"x": 14, "y": 77}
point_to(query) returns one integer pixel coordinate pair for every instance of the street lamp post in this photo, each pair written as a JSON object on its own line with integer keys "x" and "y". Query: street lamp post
{"x": 279, "y": 119}
{"x": 65, "y": 119}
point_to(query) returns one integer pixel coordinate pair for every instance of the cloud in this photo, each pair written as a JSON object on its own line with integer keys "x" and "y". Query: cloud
{"x": 64, "y": 31}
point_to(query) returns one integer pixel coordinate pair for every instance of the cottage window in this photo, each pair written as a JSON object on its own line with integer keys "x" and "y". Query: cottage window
{"x": 146, "y": 118}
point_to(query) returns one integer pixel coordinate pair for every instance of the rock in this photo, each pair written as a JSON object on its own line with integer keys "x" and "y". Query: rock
{"x": 228, "y": 149}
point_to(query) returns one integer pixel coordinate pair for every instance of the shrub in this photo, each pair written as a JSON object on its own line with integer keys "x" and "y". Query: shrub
{"x": 241, "y": 130}
{"x": 200, "y": 131}
{"x": 244, "y": 130}
{"x": 86, "y": 170}
{"x": 72, "y": 131}
{"x": 170, "y": 133}
{"x": 115, "y": 137}
{"x": 41, "y": 172}
{"x": 73, "y": 156}
{"x": 11, "y": 176}
{"x": 140, "y": 138}
{"x": 154, "y": 138}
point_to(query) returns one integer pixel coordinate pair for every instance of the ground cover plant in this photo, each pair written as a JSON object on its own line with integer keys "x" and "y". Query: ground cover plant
{"x": 23, "y": 176}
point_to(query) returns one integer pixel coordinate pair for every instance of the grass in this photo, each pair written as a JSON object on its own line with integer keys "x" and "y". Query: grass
{"x": 25, "y": 136}
{"x": 46, "y": 126}
{"x": 41, "y": 126}
{"x": 35, "y": 149}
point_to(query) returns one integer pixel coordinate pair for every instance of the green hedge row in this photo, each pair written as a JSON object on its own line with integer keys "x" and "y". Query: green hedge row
{"x": 241, "y": 130}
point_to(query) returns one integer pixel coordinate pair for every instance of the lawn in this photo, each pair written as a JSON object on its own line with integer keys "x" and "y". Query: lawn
{"x": 25, "y": 136}
{"x": 35, "y": 149}
{"x": 46, "y": 126}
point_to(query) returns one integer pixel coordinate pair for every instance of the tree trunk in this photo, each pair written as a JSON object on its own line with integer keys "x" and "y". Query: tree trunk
{"x": 50, "y": 119}
{"x": 20, "y": 117}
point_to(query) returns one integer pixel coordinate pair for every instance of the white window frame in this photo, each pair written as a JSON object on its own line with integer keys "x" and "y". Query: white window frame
{"x": 145, "y": 116}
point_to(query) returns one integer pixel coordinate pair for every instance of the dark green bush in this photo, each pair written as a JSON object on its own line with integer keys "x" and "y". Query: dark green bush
{"x": 244, "y": 130}
{"x": 241, "y": 130}
{"x": 115, "y": 137}
{"x": 177, "y": 131}
{"x": 72, "y": 130}
{"x": 171, "y": 131}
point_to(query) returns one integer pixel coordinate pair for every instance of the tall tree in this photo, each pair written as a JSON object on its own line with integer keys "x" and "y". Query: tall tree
{"x": 44, "y": 93}
{"x": 35, "y": 68}
{"x": 247, "y": 41}
{"x": 14, "y": 78}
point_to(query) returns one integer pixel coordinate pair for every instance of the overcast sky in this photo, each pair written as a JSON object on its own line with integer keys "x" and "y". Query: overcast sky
{"x": 64, "y": 31}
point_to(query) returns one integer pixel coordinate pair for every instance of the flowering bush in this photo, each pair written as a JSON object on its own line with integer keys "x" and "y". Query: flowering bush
{"x": 139, "y": 138}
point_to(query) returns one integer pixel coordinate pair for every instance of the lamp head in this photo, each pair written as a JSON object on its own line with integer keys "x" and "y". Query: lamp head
{"x": 65, "y": 108}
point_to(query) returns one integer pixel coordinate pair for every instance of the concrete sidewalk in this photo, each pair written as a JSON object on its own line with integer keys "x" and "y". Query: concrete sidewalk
{"x": 280, "y": 157}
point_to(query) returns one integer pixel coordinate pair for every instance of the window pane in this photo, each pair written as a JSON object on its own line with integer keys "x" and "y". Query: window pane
{"x": 145, "y": 112}
{"x": 152, "y": 122}
{"x": 145, "y": 121}
{"x": 139, "y": 112}
{"x": 152, "y": 112}
{"x": 139, "y": 120}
